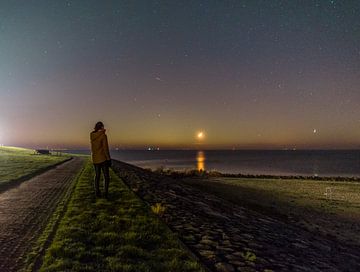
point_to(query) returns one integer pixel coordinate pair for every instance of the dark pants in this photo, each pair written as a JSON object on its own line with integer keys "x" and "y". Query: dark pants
{"x": 104, "y": 167}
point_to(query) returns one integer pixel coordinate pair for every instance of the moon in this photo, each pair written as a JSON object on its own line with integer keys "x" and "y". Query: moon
{"x": 200, "y": 135}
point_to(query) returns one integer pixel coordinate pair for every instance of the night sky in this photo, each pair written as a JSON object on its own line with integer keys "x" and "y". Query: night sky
{"x": 248, "y": 74}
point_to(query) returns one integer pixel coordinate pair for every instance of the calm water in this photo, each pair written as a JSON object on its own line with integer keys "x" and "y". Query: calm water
{"x": 309, "y": 163}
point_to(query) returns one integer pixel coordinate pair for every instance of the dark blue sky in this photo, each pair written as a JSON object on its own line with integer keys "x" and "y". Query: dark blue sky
{"x": 250, "y": 74}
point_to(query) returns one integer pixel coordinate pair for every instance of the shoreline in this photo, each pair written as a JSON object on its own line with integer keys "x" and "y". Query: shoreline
{"x": 339, "y": 165}
{"x": 205, "y": 173}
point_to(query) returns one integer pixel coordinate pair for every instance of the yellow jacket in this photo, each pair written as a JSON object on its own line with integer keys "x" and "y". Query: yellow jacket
{"x": 99, "y": 146}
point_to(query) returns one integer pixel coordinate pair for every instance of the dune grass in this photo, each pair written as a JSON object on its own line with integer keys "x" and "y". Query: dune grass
{"x": 119, "y": 234}
{"x": 18, "y": 162}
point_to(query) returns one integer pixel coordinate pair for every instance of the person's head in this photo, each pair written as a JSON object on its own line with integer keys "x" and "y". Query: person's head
{"x": 98, "y": 126}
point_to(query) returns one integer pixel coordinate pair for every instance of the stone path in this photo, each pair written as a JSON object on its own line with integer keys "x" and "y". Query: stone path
{"x": 227, "y": 237}
{"x": 26, "y": 209}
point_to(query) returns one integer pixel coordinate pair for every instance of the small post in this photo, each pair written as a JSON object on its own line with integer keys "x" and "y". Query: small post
{"x": 328, "y": 193}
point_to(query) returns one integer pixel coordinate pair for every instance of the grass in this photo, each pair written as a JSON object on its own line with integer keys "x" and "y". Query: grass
{"x": 17, "y": 162}
{"x": 301, "y": 201}
{"x": 119, "y": 234}
{"x": 345, "y": 196}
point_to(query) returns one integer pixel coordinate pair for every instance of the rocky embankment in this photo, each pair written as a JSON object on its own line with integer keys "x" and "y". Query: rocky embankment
{"x": 227, "y": 237}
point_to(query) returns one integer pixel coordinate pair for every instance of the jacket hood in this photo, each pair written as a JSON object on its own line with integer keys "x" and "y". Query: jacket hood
{"x": 95, "y": 135}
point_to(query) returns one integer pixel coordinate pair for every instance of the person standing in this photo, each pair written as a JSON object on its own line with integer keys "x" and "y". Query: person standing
{"x": 100, "y": 157}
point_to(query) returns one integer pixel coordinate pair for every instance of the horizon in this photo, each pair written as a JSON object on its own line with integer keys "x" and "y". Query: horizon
{"x": 156, "y": 148}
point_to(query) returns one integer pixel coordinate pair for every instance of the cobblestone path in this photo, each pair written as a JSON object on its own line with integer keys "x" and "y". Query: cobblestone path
{"x": 26, "y": 209}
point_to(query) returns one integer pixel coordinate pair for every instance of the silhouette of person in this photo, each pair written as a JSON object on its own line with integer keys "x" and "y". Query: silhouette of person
{"x": 100, "y": 157}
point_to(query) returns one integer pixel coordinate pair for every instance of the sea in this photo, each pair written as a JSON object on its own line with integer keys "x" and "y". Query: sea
{"x": 329, "y": 163}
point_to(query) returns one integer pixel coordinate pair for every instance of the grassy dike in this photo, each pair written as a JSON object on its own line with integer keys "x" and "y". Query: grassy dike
{"x": 17, "y": 164}
{"x": 119, "y": 234}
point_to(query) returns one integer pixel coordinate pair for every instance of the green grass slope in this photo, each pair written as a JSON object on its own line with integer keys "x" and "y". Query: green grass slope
{"x": 333, "y": 197}
{"x": 119, "y": 234}
{"x": 19, "y": 162}
{"x": 328, "y": 207}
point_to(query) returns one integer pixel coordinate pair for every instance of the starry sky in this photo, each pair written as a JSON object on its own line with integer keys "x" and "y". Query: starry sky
{"x": 248, "y": 74}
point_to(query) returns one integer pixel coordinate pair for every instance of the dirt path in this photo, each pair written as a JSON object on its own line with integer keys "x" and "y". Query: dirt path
{"x": 227, "y": 237}
{"x": 26, "y": 209}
